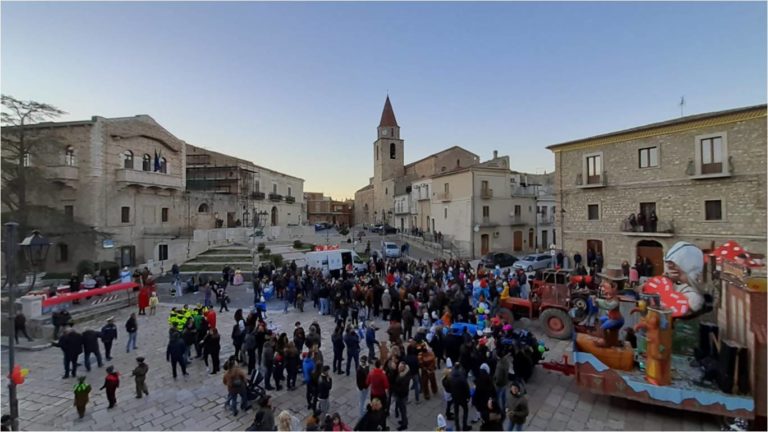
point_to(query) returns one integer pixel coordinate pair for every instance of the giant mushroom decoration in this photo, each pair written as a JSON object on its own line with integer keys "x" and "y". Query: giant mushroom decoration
{"x": 732, "y": 251}
{"x": 668, "y": 296}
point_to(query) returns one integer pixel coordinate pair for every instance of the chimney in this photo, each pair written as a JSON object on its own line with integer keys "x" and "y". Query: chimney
{"x": 495, "y": 154}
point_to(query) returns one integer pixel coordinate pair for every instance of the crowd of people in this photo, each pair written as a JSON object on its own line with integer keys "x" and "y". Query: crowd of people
{"x": 443, "y": 339}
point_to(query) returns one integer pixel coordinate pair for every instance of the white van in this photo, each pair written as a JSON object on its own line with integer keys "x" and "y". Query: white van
{"x": 333, "y": 261}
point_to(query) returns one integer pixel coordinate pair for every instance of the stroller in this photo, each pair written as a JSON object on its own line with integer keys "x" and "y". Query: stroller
{"x": 254, "y": 390}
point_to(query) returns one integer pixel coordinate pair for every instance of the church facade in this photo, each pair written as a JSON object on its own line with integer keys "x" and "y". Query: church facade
{"x": 375, "y": 203}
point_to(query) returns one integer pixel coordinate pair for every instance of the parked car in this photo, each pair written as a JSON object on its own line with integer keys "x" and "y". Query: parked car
{"x": 388, "y": 229}
{"x": 376, "y": 228}
{"x": 534, "y": 262}
{"x": 501, "y": 259}
{"x": 322, "y": 226}
{"x": 390, "y": 250}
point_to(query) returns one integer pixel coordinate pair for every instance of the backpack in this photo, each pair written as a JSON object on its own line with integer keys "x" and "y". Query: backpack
{"x": 237, "y": 383}
{"x": 236, "y": 332}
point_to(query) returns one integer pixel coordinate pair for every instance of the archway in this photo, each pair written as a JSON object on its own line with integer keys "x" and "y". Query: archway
{"x": 654, "y": 252}
{"x": 274, "y": 216}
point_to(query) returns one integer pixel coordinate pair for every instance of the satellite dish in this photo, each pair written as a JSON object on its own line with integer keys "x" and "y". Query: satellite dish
{"x": 476, "y": 228}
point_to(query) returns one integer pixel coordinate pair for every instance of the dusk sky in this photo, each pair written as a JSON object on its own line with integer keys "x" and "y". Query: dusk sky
{"x": 299, "y": 87}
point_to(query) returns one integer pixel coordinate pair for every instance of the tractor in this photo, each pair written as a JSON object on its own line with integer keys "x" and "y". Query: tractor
{"x": 558, "y": 298}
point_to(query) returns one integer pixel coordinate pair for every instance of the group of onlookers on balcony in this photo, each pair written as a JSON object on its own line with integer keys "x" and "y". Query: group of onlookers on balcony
{"x": 641, "y": 222}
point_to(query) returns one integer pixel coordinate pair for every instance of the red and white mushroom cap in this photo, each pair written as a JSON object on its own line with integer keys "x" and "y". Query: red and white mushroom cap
{"x": 730, "y": 250}
{"x": 670, "y": 298}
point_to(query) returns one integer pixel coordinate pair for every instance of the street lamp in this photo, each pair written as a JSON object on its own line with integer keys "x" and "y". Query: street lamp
{"x": 35, "y": 249}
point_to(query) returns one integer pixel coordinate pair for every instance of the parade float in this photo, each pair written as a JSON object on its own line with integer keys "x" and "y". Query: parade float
{"x": 721, "y": 370}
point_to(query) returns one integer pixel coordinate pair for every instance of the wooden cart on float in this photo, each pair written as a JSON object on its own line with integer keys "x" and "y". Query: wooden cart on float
{"x": 737, "y": 344}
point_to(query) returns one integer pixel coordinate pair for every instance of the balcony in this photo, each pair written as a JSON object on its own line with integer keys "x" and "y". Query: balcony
{"x": 290, "y": 199}
{"x": 148, "y": 179}
{"x": 592, "y": 181}
{"x": 257, "y": 196}
{"x": 62, "y": 173}
{"x": 486, "y": 222}
{"x": 546, "y": 220}
{"x": 422, "y": 197}
{"x": 518, "y": 191}
{"x": 696, "y": 171}
{"x": 663, "y": 228}
{"x": 486, "y": 193}
{"x": 515, "y": 220}
{"x": 168, "y": 231}
{"x": 402, "y": 211}
{"x": 275, "y": 197}
{"x": 444, "y": 196}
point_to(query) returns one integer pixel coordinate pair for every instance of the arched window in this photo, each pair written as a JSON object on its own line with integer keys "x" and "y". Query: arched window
{"x": 146, "y": 163}
{"x": 163, "y": 165}
{"x": 69, "y": 156}
{"x": 392, "y": 151}
{"x": 203, "y": 208}
{"x": 128, "y": 159}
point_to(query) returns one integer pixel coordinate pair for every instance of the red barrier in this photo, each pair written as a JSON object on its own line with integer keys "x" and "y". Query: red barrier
{"x": 69, "y": 297}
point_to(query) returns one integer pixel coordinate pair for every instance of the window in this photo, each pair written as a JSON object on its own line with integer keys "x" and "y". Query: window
{"x": 146, "y": 163}
{"x": 62, "y": 252}
{"x": 458, "y": 163}
{"x": 427, "y": 186}
{"x": 274, "y": 188}
{"x": 445, "y": 213}
{"x": 69, "y": 213}
{"x": 69, "y": 156}
{"x": 593, "y": 212}
{"x": 648, "y": 157}
{"x": 486, "y": 211}
{"x": 392, "y": 132}
{"x": 203, "y": 208}
{"x": 162, "y": 252}
{"x": 447, "y": 188}
{"x": 711, "y": 150}
{"x": 594, "y": 169}
{"x": 386, "y": 191}
{"x": 128, "y": 159}
{"x": 26, "y": 160}
{"x": 289, "y": 191}
{"x": 125, "y": 214}
{"x": 376, "y": 150}
{"x": 164, "y": 214}
{"x": 392, "y": 151}
{"x": 518, "y": 210}
{"x": 713, "y": 210}
{"x": 163, "y": 165}
{"x": 484, "y": 185}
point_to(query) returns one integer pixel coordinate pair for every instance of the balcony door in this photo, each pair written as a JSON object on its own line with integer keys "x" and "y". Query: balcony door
{"x": 517, "y": 241}
{"x": 485, "y": 244}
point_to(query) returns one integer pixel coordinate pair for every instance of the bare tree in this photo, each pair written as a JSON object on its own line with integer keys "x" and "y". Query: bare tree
{"x": 19, "y": 144}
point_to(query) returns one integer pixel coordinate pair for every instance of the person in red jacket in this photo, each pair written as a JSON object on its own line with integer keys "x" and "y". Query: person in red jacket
{"x": 210, "y": 316}
{"x": 378, "y": 382}
{"x": 111, "y": 383}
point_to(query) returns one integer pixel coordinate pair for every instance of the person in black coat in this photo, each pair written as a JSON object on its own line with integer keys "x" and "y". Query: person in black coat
{"x": 212, "y": 348}
{"x": 91, "y": 346}
{"x": 108, "y": 335}
{"x": 71, "y": 343}
{"x": 484, "y": 390}
{"x": 175, "y": 354}
{"x": 337, "y": 339}
{"x": 352, "y": 341}
{"x": 460, "y": 395}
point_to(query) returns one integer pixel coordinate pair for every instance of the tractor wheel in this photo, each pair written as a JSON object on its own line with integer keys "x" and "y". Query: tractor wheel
{"x": 557, "y": 323}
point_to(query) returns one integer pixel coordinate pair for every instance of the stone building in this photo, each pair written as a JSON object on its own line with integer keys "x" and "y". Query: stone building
{"x": 374, "y": 203}
{"x": 703, "y": 176}
{"x": 117, "y": 190}
{"x": 121, "y": 177}
{"x": 479, "y": 209}
{"x": 237, "y": 192}
{"x": 321, "y": 208}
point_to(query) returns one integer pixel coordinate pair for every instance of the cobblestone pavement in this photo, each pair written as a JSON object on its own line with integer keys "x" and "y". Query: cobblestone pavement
{"x": 196, "y": 402}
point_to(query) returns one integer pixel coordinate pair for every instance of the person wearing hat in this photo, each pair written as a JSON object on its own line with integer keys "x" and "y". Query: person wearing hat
{"x": 111, "y": 383}
{"x": 140, "y": 376}
{"x": 107, "y": 335}
{"x": 82, "y": 390}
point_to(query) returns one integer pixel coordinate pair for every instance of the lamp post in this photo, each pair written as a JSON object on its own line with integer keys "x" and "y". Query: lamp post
{"x": 35, "y": 249}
